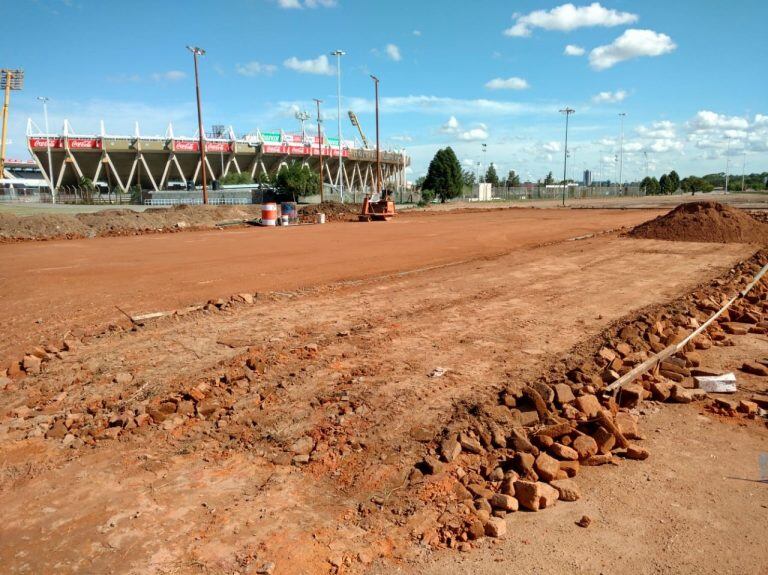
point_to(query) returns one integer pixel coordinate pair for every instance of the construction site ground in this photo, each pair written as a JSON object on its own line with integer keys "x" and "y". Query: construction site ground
{"x": 350, "y": 321}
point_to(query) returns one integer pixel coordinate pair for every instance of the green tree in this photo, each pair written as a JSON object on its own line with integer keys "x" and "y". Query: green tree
{"x": 87, "y": 189}
{"x": 297, "y": 180}
{"x": 549, "y": 180}
{"x": 444, "y": 175}
{"x": 650, "y": 185}
{"x": 513, "y": 180}
{"x": 491, "y": 177}
{"x": 468, "y": 177}
{"x": 674, "y": 181}
{"x": 665, "y": 185}
{"x": 419, "y": 183}
{"x": 693, "y": 184}
{"x": 236, "y": 178}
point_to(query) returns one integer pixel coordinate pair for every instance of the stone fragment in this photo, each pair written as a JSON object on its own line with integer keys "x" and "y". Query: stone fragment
{"x": 748, "y": 407}
{"x": 605, "y": 440}
{"x": 504, "y": 502}
{"x": 546, "y": 467}
{"x": 496, "y": 527}
{"x": 751, "y": 367}
{"x": 563, "y": 393}
{"x": 681, "y": 395}
{"x": 661, "y": 390}
{"x": 570, "y": 468}
{"x": 476, "y": 530}
{"x": 588, "y": 405}
{"x": 450, "y": 449}
{"x": 585, "y": 446}
{"x": 563, "y": 452}
{"x": 470, "y": 444}
{"x": 303, "y": 446}
{"x": 566, "y": 489}
{"x": 549, "y": 495}
{"x": 627, "y": 424}
{"x": 523, "y": 462}
{"x": 631, "y": 395}
{"x": 432, "y": 465}
{"x": 528, "y": 494}
{"x": 596, "y": 460}
{"x": 636, "y": 452}
{"x": 31, "y": 364}
{"x": 585, "y": 521}
{"x": 123, "y": 378}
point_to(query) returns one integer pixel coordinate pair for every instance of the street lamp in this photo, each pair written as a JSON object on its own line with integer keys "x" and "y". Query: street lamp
{"x": 44, "y": 100}
{"x": 320, "y": 146}
{"x": 621, "y": 150}
{"x": 567, "y": 111}
{"x": 339, "y": 54}
{"x": 378, "y": 149}
{"x": 195, "y": 53}
{"x": 485, "y": 157}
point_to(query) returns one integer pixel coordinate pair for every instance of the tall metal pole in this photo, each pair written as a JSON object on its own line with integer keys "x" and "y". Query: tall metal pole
{"x": 567, "y": 111}
{"x": 195, "y": 52}
{"x": 44, "y": 100}
{"x": 6, "y": 100}
{"x": 621, "y": 150}
{"x": 320, "y": 146}
{"x": 727, "y": 163}
{"x": 339, "y": 54}
{"x": 743, "y": 168}
{"x": 378, "y": 149}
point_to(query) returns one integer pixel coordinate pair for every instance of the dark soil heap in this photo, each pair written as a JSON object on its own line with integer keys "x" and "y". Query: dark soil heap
{"x": 334, "y": 212}
{"x": 704, "y": 222}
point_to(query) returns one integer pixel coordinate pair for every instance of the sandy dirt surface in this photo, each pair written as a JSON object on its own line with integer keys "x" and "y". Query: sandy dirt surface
{"x": 348, "y": 365}
{"x": 77, "y": 284}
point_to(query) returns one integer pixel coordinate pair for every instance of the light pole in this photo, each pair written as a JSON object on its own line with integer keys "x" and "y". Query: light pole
{"x": 44, "y": 100}
{"x": 195, "y": 53}
{"x": 320, "y": 145}
{"x": 621, "y": 149}
{"x": 727, "y": 162}
{"x": 378, "y": 149}
{"x": 339, "y": 54}
{"x": 567, "y": 111}
{"x": 485, "y": 156}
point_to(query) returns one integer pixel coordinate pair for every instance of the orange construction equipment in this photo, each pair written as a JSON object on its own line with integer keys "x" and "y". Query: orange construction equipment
{"x": 382, "y": 209}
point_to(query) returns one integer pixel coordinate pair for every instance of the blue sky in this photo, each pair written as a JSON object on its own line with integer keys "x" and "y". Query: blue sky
{"x": 690, "y": 75}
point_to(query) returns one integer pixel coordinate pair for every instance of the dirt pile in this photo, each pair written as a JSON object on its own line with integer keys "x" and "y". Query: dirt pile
{"x": 333, "y": 211}
{"x": 704, "y": 222}
{"x": 120, "y": 222}
{"x": 524, "y": 450}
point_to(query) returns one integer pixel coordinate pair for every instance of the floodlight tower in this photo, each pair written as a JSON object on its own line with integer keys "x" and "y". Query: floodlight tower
{"x": 302, "y": 116}
{"x": 320, "y": 145}
{"x": 44, "y": 100}
{"x": 9, "y": 80}
{"x": 567, "y": 111}
{"x": 339, "y": 54}
{"x": 195, "y": 53}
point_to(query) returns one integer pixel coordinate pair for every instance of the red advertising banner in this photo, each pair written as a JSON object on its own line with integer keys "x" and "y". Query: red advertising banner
{"x": 194, "y": 146}
{"x": 303, "y": 150}
{"x": 45, "y": 142}
{"x": 84, "y": 143}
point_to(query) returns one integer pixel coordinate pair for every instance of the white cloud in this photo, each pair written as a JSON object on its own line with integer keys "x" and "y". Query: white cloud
{"x": 659, "y": 130}
{"x": 569, "y": 17}
{"x": 319, "y": 65}
{"x": 573, "y": 50}
{"x": 451, "y": 126}
{"x": 610, "y": 97}
{"x": 631, "y": 44}
{"x": 706, "y": 120}
{"x": 417, "y": 32}
{"x": 393, "y": 52}
{"x": 297, "y": 5}
{"x": 427, "y": 104}
{"x": 169, "y": 76}
{"x": 401, "y": 138}
{"x": 513, "y": 83}
{"x": 474, "y": 134}
{"x": 551, "y": 147}
{"x": 255, "y": 68}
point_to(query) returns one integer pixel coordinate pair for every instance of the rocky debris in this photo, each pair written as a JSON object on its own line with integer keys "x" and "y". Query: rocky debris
{"x": 755, "y": 368}
{"x": 585, "y": 521}
{"x": 496, "y": 527}
{"x": 525, "y": 450}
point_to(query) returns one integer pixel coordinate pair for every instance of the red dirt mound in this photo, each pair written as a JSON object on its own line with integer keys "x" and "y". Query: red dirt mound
{"x": 704, "y": 222}
{"x": 334, "y": 212}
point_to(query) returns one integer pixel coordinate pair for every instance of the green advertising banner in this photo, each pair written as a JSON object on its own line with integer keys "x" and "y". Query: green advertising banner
{"x": 272, "y": 137}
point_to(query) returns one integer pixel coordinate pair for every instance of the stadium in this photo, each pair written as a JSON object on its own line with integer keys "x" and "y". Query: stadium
{"x": 162, "y": 164}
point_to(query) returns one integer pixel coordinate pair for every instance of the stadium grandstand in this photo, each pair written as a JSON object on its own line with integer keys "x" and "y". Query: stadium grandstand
{"x": 171, "y": 162}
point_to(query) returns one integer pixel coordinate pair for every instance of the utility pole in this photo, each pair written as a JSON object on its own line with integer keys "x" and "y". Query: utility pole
{"x": 320, "y": 146}
{"x": 727, "y": 162}
{"x": 44, "y": 100}
{"x": 339, "y": 54}
{"x": 9, "y": 80}
{"x": 743, "y": 168}
{"x": 485, "y": 156}
{"x": 621, "y": 150}
{"x": 567, "y": 111}
{"x": 378, "y": 149}
{"x": 195, "y": 53}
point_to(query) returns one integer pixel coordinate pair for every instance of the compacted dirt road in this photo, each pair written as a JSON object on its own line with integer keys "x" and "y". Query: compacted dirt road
{"x": 346, "y": 364}
{"x": 50, "y": 287}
